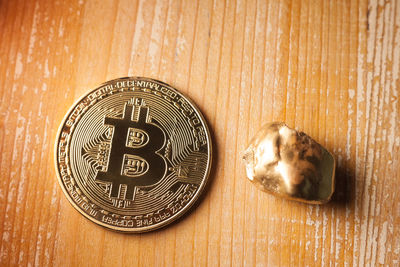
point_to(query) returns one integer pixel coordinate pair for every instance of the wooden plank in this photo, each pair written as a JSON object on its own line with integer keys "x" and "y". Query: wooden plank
{"x": 329, "y": 68}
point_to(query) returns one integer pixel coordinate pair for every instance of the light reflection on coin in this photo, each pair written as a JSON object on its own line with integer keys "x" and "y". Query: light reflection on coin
{"x": 133, "y": 155}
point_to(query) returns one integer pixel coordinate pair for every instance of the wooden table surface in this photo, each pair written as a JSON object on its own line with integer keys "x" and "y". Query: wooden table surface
{"x": 329, "y": 68}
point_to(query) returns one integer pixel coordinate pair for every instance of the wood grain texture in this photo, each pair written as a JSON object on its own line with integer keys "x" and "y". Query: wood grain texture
{"x": 329, "y": 68}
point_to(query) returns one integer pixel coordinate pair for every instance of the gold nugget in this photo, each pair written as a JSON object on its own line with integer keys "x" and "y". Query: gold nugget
{"x": 284, "y": 162}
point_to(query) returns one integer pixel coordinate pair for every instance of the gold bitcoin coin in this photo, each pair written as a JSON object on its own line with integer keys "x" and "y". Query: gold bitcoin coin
{"x": 133, "y": 155}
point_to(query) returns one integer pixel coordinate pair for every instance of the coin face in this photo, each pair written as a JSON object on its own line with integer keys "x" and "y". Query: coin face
{"x": 133, "y": 155}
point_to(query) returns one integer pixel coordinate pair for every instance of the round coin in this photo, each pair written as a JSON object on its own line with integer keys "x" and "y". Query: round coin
{"x": 133, "y": 155}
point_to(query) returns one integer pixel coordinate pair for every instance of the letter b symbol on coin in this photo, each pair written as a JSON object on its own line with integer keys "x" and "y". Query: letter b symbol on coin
{"x": 133, "y": 159}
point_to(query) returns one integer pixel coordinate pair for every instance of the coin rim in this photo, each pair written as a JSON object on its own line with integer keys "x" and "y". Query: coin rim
{"x": 174, "y": 217}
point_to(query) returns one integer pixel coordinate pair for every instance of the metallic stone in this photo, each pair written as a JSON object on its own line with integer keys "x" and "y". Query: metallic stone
{"x": 287, "y": 163}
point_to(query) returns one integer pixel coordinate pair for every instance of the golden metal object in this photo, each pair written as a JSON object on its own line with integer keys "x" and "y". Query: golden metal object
{"x": 133, "y": 155}
{"x": 287, "y": 163}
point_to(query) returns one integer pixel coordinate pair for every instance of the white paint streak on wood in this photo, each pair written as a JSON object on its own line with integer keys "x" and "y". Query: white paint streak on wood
{"x": 332, "y": 234}
{"x": 32, "y": 37}
{"x": 18, "y": 66}
{"x": 324, "y": 235}
{"x": 317, "y": 233}
{"x": 139, "y": 28}
{"x": 382, "y": 243}
{"x": 393, "y": 122}
{"x": 367, "y": 151}
{"x": 157, "y": 31}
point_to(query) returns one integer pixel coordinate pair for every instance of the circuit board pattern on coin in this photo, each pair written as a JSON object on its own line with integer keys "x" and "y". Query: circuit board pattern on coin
{"x": 133, "y": 155}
